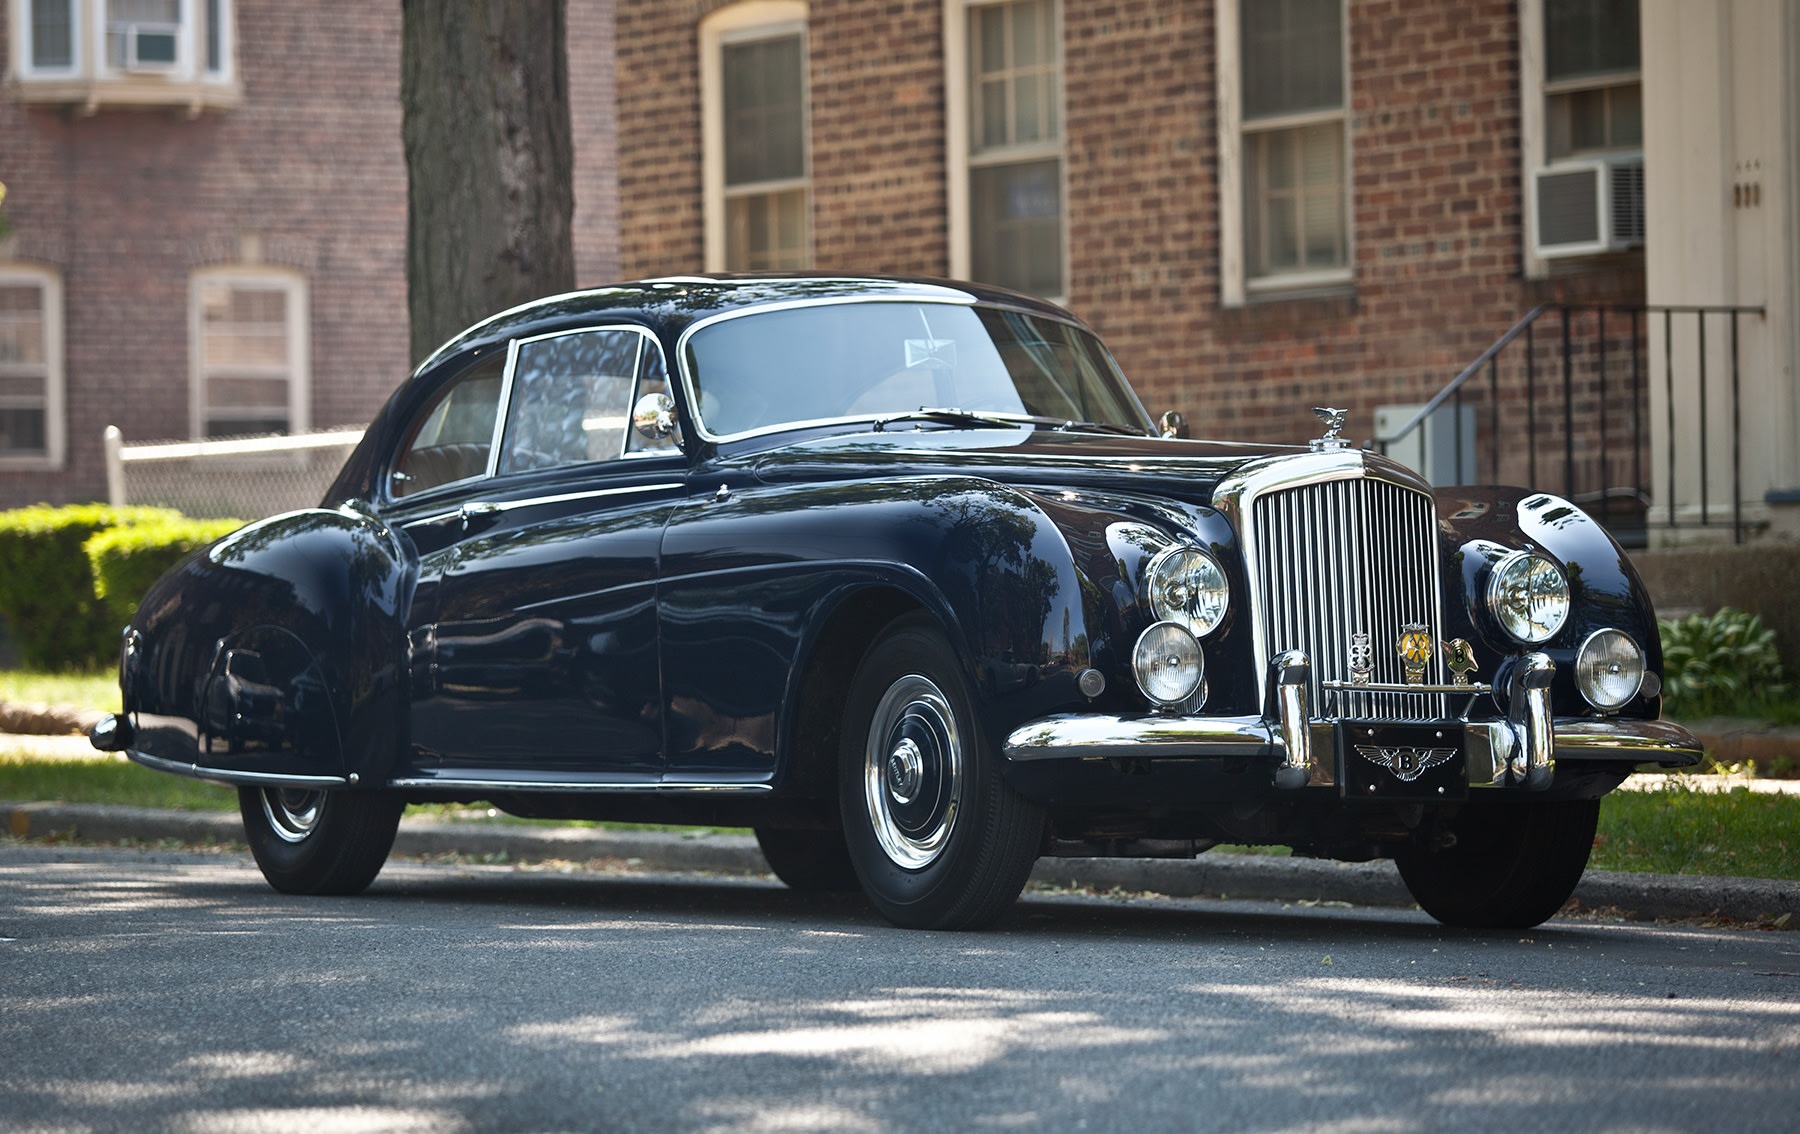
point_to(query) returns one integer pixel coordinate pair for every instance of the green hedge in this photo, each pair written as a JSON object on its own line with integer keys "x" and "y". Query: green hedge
{"x": 47, "y": 585}
{"x": 126, "y": 560}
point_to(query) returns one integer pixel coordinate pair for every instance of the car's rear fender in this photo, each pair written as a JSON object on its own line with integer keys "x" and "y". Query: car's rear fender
{"x": 276, "y": 651}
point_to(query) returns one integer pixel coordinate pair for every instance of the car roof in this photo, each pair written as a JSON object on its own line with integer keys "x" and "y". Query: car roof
{"x": 667, "y": 304}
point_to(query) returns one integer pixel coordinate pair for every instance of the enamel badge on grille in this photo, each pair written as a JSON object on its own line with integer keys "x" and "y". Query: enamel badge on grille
{"x": 1406, "y": 763}
{"x": 1415, "y": 652}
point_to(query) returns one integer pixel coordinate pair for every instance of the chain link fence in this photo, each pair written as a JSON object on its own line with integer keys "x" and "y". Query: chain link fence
{"x": 245, "y": 478}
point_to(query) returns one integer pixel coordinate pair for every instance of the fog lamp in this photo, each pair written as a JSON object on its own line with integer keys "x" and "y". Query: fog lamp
{"x": 1609, "y": 669}
{"x": 1167, "y": 663}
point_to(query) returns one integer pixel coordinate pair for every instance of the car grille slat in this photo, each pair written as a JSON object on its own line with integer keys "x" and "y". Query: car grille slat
{"x": 1342, "y": 556}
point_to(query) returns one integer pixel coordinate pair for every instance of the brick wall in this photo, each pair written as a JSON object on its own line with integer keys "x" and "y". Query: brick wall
{"x": 126, "y": 203}
{"x": 1437, "y": 212}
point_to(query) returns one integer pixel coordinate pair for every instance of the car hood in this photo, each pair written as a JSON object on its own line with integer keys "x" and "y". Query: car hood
{"x": 1186, "y": 470}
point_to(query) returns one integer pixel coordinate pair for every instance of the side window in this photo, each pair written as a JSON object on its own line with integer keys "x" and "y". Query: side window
{"x": 652, "y": 379}
{"x": 571, "y": 399}
{"x": 451, "y": 438}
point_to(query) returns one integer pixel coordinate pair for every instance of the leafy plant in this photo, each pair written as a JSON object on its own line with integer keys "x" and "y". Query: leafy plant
{"x": 1720, "y": 664}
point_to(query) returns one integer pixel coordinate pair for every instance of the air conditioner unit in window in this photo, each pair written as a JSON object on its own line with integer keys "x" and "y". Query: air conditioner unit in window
{"x": 149, "y": 47}
{"x": 1585, "y": 207}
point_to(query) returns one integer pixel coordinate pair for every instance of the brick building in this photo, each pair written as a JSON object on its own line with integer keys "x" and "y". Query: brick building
{"x": 207, "y": 202}
{"x": 1263, "y": 205}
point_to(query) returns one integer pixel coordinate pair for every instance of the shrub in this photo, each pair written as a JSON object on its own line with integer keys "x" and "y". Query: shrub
{"x": 1719, "y": 664}
{"x": 125, "y": 561}
{"x": 47, "y": 586}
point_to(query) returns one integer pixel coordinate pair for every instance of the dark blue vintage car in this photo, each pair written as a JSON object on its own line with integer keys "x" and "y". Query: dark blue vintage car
{"x": 900, "y": 574}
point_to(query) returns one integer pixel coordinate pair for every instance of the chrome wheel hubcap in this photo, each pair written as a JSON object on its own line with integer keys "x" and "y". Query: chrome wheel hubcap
{"x": 293, "y": 813}
{"x": 913, "y": 772}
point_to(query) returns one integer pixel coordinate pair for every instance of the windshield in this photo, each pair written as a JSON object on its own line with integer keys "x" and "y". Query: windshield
{"x": 855, "y": 361}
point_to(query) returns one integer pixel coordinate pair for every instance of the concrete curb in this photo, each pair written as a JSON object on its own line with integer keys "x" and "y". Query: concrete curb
{"x": 1237, "y": 876}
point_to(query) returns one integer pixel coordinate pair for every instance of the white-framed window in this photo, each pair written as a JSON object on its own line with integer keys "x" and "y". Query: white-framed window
{"x": 249, "y": 336}
{"x": 1005, "y": 138}
{"x": 31, "y": 367}
{"x": 124, "y": 52}
{"x": 1580, "y": 99}
{"x": 753, "y": 99}
{"x": 1284, "y": 146}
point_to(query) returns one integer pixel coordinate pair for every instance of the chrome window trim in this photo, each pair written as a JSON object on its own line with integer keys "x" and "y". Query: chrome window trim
{"x": 945, "y": 298}
{"x": 392, "y": 463}
{"x": 1235, "y": 495}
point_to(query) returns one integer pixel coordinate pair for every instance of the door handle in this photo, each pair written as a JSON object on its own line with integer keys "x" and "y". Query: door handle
{"x": 480, "y": 508}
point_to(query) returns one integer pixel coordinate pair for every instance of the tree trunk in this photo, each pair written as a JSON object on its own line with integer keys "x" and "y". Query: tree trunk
{"x": 484, "y": 91}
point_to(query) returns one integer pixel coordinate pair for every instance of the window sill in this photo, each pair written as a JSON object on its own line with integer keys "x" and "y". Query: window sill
{"x": 33, "y": 463}
{"x": 129, "y": 92}
{"x": 1293, "y": 285}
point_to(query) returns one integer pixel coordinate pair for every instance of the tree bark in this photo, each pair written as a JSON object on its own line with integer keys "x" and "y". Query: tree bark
{"x": 484, "y": 91}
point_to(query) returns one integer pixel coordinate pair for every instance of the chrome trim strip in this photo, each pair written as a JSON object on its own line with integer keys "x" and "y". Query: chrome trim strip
{"x": 564, "y": 498}
{"x": 1089, "y": 736}
{"x": 222, "y": 775}
{"x": 572, "y": 785}
{"x": 946, "y": 298}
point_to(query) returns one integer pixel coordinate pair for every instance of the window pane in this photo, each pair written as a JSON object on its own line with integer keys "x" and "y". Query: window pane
{"x": 1015, "y": 82}
{"x": 22, "y": 431}
{"x": 21, "y": 324}
{"x": 451, "y": 438}
{"x": 765, "y": 231}
{"x": 241, "y": 426}
{"x": 244, "y": 327}
{"x": 1291, "y": 53}
{"x": 1593, "y": 121}
{"x": 570, "y": 400}
{"x": 215, "y": 33}
{"x": 1016, "y": 226}
{"x": 156, "y": 22}
{"x": 1589, "y": 37}
{"x": 764, "y": 119}
{"x": 52, "y": 34}
{"x": 239, "y": 393}
{"x": 1294, "y": 224}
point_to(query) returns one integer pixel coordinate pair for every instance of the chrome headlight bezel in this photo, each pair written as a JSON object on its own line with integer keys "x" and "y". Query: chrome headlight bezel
{"x": 1517, "y": 596}
{"x": 1166, "y": 648}
{"x": 1197, "y": 604}
{"x": 1589, "y": 674}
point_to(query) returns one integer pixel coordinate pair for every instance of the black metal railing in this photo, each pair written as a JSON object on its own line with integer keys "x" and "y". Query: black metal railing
{"x": 1580, "y": 397}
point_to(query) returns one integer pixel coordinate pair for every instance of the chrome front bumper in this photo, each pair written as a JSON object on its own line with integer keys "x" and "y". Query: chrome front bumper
{"x": 1521, "y": 750}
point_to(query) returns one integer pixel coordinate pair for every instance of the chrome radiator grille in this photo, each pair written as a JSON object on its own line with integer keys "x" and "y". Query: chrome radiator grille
{"x": 1343, "y": 556}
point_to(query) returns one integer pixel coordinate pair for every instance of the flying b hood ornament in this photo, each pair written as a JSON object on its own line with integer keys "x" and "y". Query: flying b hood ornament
{"x": 1334, "y": 421}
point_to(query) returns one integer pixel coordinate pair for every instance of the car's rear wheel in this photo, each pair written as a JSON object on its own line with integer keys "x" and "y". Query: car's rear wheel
{"x": 812, "y": 861}
{"x": 936, "y": 837}
{"x": 1511, "y": 865}
{"x": 319, "y": 842}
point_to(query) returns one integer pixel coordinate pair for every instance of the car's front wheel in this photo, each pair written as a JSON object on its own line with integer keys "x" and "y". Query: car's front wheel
{"x": 1510, "y": 866}
{"x": 319, "y": 842}
{"x": 936, "y": 837}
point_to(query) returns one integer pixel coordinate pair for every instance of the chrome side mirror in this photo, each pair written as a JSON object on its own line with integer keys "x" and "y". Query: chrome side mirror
{"x": 654, "y": 416}
{"x": 1172, "y": 424}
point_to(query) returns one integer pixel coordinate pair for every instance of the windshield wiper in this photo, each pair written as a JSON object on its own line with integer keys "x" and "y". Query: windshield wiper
{"x": 969, "y": 419}
{"x": 948, "y": 416}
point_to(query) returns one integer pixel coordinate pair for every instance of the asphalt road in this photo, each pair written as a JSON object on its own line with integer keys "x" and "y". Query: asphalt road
{"x": 151, "y": 991}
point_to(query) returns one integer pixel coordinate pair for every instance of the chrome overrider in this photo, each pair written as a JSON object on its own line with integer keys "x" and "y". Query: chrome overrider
{"x": 1520, "y": 751}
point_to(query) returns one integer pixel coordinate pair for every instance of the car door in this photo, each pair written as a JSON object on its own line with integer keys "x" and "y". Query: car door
{"x": 541, "y": 649}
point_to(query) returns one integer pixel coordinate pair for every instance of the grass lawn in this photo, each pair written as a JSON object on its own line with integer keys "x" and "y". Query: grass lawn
{"x": 88, "y": 691}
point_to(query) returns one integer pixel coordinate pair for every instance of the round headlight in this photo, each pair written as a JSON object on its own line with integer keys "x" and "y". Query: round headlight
{"x": 1167, "y": 662}
{"x": 1609, "y": 669}
{"x": 1187, "y": 586}
{"x": 1529, "y": 597}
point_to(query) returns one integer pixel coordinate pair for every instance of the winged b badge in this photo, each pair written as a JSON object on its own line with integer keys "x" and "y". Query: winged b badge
{"x": 1406, "y": 763}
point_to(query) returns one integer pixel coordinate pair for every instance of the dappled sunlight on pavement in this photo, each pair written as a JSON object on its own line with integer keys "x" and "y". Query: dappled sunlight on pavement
{"x": 173, "y": 992}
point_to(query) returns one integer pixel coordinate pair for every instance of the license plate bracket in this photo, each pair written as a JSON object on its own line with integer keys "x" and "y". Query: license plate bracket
{"x": 1413, "y": 760}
